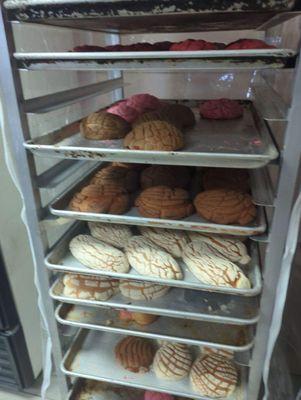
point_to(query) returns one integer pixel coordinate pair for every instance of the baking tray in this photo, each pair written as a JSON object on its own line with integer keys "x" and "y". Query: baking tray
{"x": 194, "y": 333}
{"x": 240, "y": 143}
{"x": 156, "y": 60}
{"x": 179, "y": 303}
{"x": 151, "y": 15}
{"x": 61, "y": 259}
{"x": 92, "y": 356}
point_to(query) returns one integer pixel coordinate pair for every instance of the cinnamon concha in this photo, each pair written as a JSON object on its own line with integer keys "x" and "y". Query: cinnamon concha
{"x": 125, "y": 177}
{"x": 226, "y": 178}
{"x": 224, "y": 206}
{"x": 107, "y": 199}
{"x": 213, "y": 270}
{"x": 98, "y": 255}
{"x": 142, "y": 290}
{"x": 115, "y": 234}
{"x": 231, "y": 248}
{"x": 135, "y": 354}
{"x": 172, "y": 361}
{"x": 154, "y": 135}
{"x": 171, "y": 240}
{"x": 102, "y": 125}
{"x": 149, "y": 259}
{"x": 179, "y": 113}
{"x": 89, "y": 287}
{"x": 164, "y": 202}
{"x": 213, "y": 376}
{"x": 166, "y": 175}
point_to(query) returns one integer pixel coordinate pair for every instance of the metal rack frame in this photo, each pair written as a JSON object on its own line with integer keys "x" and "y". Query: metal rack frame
{"x": 30, "y": 183}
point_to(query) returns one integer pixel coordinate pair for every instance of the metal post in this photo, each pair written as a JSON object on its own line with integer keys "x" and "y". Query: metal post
{"x": 286, "y": 189}
{"x": 25, "y": 169}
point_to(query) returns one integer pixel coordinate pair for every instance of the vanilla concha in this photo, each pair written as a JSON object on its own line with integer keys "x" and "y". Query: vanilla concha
{"x": 115, "y": 234}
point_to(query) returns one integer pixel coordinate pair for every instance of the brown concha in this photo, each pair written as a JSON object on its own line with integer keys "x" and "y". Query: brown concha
{"x": 126, "y": 177}
{"x": 224, "y": 206}
{"x": 154, "y": 135}
{"x": 226, "y": 178}
{"x": 102, "y": 125}
{"x": 164, "y": 202}
{"x": 108, "y": 199}
{"x": 135, "y": 354}
{"x": 152, "y": 116}
{"x": 180, "y": 114}
{"x": 167, "y": 175}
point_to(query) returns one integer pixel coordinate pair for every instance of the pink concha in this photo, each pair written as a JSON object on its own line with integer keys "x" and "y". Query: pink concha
{"x": 123, "y": 110}
{"x": 148, "y": 395}
{"x": 144, "y": 102}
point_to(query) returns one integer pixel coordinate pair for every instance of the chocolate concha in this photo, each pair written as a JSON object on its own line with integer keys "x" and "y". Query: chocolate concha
{"x": 115, "y": 234}
{"x": 102, "y": 125}
{"x": 172, "y": 362}
{"x": 179, "y": 113}
{"x": 166, "y": 175}
{"x": 230, "y": 248}
{"x": 171, "y": 240}
{"x": 149, "y": 259}
{"x": 154, "y": 135}
{"x": 226, "y": 178}
{"x": 142, "y": 290}
{"x": 224, "y": 206}
{"x": 213, "y": 376}
{"x": 213, "y": 270}
{"x": 164, "y": 202}
{"x": 125, "y": 177}
{"x": 135, "y": 354}
{"x": 89, "y": 287}
{"x": 107, "y": 199}
{"x": 95, "y": 254}
{"x": 218, "y": 352}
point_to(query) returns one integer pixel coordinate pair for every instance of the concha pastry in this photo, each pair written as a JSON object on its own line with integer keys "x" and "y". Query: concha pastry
{"x": 151, "y": 116}
{"x": 226, "y": 178}
{"x": 221, "y": 109}
{"x": 166, "y": 175}
{"x": 213, "y": 270}
{"x": 172, "y": 361}
{"x": 231, "y": 248}
{"x": 213, "y": 376}
{"x": 164, "y": 202}
{"x": 107, "y": 199}
{"x": 95, "y": 254}
{"x": 102, "y": 125}
{"x": 171, "y": 240}
{"x": 89, "y": 287}
{"x": 125, "y": 177}
{"x": 149, "y": 259}
{"x": 135, "y": 354}
{"x": 154, "y": 135}
{"x": 218, "y": 352}
{"x": 224, "y": 206}
{"x": 139, "y": 318}
{"x": 179, "y": 114}
{"x": 142, "y": 290}
{"x": 114, "y": 234}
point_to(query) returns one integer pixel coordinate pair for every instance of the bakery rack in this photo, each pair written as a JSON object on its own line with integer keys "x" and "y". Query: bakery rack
{"x": 190, "y": 313}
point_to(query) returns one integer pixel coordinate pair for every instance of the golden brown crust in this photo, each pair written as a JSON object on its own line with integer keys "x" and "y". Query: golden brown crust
{"x": 102, "y": 125}
{"x": 164, "y": 202}
{"x": 224, "y": 206}
{"x": 144, "y": 319}
{"x": 226, "y": 178}
{"x": 180, "y": 114}
{"x": 165, "y": 175}
{"x": 108, "y": 199}
{"x": 126, "y": 177}
{"x": 135, "y": 354}
{"x": 154, "y": 135}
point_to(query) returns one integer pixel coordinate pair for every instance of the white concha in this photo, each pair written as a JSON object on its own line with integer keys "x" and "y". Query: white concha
{"x": 142, "y": 290}
{"x": 89, "y": 287}
{"x": 98, "y": 255}
{"x": 171, "y": 240}
{"x": 172, "y": 361}
{"x": 230, "y": 248}
{"x": 213, "y": 376}
{"x": 213, "y": 270}
{"x": 218, "y": 352}
{"x": 149, "y": 259}
{"x": 114, "y": 234}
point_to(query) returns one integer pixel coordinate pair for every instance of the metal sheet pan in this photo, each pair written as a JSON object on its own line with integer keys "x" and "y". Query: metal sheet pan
{"x": 92, "y": 356}
{"x": 179, "y": 303}
{"x": 241, "y": 143}
{"x": 156, "y": 60}
{"x": 61, "y": 259}
{"x": 194, "y": 333}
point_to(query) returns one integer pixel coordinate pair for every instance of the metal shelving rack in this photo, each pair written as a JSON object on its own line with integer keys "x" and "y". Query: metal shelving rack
{"x": 111, "y": 16}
